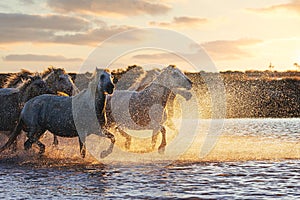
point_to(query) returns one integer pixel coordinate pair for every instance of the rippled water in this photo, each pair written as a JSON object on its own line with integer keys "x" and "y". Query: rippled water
{"x": 287, "y": 129}
{"x": 240, "y": 177}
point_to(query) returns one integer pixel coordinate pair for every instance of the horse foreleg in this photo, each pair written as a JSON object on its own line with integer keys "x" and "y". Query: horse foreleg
{"x": 111, "y": 146}
{"x": 161, "y": 148}
{"x": 154, "y": 137}
{"x": 41, "y": 146}
{"x": 127, "y": 138}
{"x": 82, "y": 148}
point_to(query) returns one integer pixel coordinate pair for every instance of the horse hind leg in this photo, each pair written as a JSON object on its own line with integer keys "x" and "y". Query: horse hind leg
{"x": 105, "y": 153}
{"x": 82, "y": 148}
{"x": 154, "y": 137}
{"x": 127, "y": 138}
{"x": 55, "y": 140}
{"x": 33, "y": 137}
{"x": 161, "y": 148}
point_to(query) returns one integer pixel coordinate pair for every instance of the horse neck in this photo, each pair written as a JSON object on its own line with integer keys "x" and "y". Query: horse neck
{"x": 23, "y": 91}
{"x": 100, "y": 104}
{"x": 49, "y": 79}
{"x": 158, "y": 92}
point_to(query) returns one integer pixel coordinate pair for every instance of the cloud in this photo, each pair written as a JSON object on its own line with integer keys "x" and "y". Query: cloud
{"x": 229, "y": 49}
{"x": 119, "y": 7}
{"x": 293, "y": 6}
{"x": 181, "y": 21}
{"x": 17, "y": 28}
{"x": 46, "y": 22}
{"x": 95, "y": 36}
{"x": 39, "y": 58}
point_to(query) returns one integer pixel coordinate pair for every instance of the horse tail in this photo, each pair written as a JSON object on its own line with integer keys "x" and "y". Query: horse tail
{"x": 13, "y": 136}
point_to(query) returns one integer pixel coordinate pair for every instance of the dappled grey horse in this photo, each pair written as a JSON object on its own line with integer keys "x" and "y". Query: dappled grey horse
{"x": 146, "y": 79}
{"x": 145, "y": 110}
{"x": 55, "y": 114}
{"x": 13, "y": 99}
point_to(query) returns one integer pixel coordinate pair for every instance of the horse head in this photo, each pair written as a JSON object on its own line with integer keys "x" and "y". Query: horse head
{"x": 105, "y": 82}
{"x": 176, "y": 80}
{"x": 34, "y": 86}
{"x": 60, "y": 81}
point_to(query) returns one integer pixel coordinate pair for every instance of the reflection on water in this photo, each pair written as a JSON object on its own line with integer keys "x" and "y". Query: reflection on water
{"x": 254, "y": 158}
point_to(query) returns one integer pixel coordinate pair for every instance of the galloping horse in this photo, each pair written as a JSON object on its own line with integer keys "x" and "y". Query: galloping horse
{"x": 55, "y": 113}
{"x": 56, "y": 78}
{"x": 145, "y": 110}
{"x": 13, "y": 99}
{"x": 146, "y": 80}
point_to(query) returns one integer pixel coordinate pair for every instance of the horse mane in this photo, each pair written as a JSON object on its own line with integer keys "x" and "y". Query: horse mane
{"x": 51, "y": 69}
{"x": 148, "y": 79}
{"x": 27, "y": 82}
{"x": 16, "y": 78}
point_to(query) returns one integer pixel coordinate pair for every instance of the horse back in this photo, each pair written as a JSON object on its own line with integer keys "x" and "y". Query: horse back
{"x": 50, "y": 112}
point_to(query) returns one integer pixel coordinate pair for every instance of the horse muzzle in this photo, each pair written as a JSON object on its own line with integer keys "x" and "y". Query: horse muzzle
{"x": 109, "y": 90}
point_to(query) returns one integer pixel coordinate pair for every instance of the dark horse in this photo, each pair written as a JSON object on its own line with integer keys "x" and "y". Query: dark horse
{"x": 57, "y": 79}
{"x": 55, "y": 113}
{"x": 13, "y": 99}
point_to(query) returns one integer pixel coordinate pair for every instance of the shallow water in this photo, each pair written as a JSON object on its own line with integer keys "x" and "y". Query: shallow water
{"x": 254, "y": 159}
{"x": 237, "y": 180}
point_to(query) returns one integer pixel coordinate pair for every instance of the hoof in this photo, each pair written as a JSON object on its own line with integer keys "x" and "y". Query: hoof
{"x": 104, "y": 154}
{"x": 127, "y": 145}
{"x": 42, "y": 150}
{"x": 82, "y": 153}
{"x": 27, "y": 145}
{"x": 161, "y": 150}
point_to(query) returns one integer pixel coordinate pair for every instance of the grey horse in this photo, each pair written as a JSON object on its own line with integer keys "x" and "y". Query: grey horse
{"x": 146, "y": 79}
{"x": 145, "y": 110}
{"x": 56, "y": 78}
{"x": 55, "y": 114}
{"x": 13, "y": 99}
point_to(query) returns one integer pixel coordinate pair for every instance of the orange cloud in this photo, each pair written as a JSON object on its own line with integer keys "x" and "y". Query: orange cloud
{"x": 181, "y": 21}
{"x": 120, "y": 7}
{"x": 293, "y": 6}
{"x": 229, "y": 49}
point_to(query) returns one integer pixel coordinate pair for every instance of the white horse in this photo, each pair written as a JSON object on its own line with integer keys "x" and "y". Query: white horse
{"x": 145, "y": 109}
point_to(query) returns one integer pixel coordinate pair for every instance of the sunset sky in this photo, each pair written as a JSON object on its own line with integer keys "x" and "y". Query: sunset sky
{"x": 236, "y": 34}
